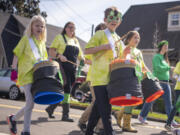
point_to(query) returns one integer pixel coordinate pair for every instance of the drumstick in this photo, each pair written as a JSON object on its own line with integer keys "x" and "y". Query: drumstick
{"x": 72, "y": 63}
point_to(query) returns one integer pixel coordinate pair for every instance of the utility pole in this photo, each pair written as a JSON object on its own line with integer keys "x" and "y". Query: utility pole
{"x": 92, "y": 30}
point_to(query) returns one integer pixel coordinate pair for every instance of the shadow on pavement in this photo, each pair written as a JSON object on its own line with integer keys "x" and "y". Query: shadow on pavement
{"x": 75, "y": 132}
{"x": 163, "y": 133}
{"x": 34, "y": 122}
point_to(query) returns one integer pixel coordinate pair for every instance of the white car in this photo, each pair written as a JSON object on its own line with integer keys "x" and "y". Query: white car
{"x": 6, "y": 85}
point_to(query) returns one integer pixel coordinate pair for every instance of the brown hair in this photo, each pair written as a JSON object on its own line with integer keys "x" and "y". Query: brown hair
{"x": 127, "y": 37}
{"x": 100, "y": 26}
{"x": 165, "y": 55}
{"x": 108, "y": 10}
{"x": 65, "y": 26}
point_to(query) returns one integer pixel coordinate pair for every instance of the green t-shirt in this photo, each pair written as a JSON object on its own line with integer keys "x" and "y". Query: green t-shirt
{"x": 100, "y": 74}
{"x": 26, "y": 59}
{"x": 160, "y": 67}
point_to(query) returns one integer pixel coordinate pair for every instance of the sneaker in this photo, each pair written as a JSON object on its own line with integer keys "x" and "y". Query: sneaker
{"x": 82, "y": 127}
{"x": 142, "y": 120}
{"x": 168, "y": 127}
{"x": 25, "y": 133}
{"x": 175, "y": 124}
{"x": 12, "y": 125}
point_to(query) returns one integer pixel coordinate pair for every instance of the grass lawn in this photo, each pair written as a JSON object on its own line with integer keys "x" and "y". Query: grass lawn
{"x": 153, "y": 115}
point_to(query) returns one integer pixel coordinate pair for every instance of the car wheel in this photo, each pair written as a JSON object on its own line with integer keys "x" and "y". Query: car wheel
{"x": 74, "y": 88}
{"x": 14, "y": 93}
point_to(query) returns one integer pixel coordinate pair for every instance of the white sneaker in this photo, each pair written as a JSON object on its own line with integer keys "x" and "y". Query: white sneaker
{"x": 175, "y": 124}
{"x": 168, "y": 127}
{"x": 142, "y": 120}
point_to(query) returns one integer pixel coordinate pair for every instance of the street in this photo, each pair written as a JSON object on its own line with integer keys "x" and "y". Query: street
{"x": 42, "y": 125}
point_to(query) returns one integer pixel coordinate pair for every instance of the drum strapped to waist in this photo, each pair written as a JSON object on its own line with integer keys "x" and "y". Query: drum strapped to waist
{"x": 124, "y": 88}
{"x": 151, "y": 90}
{"x": 46, "y": 88}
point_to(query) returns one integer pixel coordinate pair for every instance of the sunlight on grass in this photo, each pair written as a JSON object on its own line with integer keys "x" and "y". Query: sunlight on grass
{"x": 154, "y": 115}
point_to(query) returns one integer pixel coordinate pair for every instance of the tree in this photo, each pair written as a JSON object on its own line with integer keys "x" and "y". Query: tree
{"x": 26, "y": 8}
{"x": 156, "y": 35}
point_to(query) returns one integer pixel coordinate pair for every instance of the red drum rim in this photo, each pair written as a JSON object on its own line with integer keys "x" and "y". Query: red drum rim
{"x": 123, "y": 101}
{"x": 155, "y": 96}
{"x": 122, "y": 61}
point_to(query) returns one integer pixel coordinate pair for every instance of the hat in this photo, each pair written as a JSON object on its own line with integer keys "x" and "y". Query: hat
{"x": 163, "y": 42}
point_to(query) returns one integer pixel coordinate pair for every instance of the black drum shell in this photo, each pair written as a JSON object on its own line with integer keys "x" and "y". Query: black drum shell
{"x": 123, "y": 82}
{"x": 151, "y": 88}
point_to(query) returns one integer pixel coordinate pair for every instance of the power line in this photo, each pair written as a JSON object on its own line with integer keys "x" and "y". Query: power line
{"x": 57, "y": 4}
{"x": 51, "y": 14}
{"x": 67, "y": 5}
{"x": 76, "y": 13}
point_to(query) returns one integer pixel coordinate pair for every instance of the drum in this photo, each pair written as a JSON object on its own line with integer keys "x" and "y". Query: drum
{"x": 124, "y": 88}
{"x": 178, "y": 104}
{"x": 151, "y": 90}
{"x": 46, "y": 88}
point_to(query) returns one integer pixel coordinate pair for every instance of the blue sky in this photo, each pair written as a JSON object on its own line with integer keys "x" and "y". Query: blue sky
{"x": 85, "y": 13}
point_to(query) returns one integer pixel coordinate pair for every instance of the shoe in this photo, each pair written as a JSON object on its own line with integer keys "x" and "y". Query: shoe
{"x": 25, "y": 133}
{"x": 66, "y": 118}
{"x": 175, "y": 124}
{"x": 100, "y": 132}
{"x": 142, "y": 120}
{"x": 49, "y": 114}
{"x": 168, "y": 127}
{"x": 82, "y": 126}
{"x": 118, "y": 115}
{"x": 127, "y": 124}
{"x": 12, "y": 125}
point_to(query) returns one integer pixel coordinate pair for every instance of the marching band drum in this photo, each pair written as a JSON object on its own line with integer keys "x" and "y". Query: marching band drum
{"x": 47, "y": 88}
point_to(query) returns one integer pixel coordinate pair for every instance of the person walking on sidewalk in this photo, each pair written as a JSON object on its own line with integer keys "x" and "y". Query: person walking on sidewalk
{"x": 85, "y": 115}
{"x": 30, "y": 50}
{"x": 161, "y": 69}
{"x": 66, "y": 47}
{"x": 103, "y": 49}
{"x": 177, "y": 96}
{"x": 131, "y": 40}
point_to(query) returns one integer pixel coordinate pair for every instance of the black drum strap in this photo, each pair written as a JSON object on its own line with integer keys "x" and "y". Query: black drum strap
{"x": 64, "y": 39}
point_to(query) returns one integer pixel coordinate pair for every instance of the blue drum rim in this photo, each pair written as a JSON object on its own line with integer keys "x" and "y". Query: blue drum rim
{"x": 40, "y": 94}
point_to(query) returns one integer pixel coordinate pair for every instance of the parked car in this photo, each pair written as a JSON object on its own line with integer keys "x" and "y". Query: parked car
{"x": 8, "y": 86}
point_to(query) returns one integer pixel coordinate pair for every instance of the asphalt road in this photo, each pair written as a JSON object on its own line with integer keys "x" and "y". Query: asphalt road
{"x": 42, "y": 125}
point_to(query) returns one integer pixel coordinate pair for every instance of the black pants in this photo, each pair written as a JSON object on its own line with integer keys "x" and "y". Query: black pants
{"x": 102, "y": 109}
{"x": 70, "y": 78}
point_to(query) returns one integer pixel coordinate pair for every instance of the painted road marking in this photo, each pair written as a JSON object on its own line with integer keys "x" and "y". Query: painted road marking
{"x": 73, "y": 115}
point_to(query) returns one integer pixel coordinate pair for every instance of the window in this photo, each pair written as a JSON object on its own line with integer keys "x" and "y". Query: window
{"x": 175, "y": 19}
{"x": 2, "y": 72}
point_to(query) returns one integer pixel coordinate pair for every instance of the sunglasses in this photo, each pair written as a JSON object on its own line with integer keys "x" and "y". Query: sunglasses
{"x": 71, "y": 27}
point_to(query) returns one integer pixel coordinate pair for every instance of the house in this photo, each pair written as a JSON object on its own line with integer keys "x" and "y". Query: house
{"x": 154, "y": 22}
{"x": 11, "y": 30}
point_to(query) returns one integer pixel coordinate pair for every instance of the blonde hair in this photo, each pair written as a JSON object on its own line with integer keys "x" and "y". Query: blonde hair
{"x": 28, "y": 31}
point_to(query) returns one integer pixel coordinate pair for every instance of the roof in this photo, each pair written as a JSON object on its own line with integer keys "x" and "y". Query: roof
{"x": 52, "y": 30}
{"x": 12, "y": 29}
{"x": 176, "y": 8}
{"x": 151, "y": 20}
